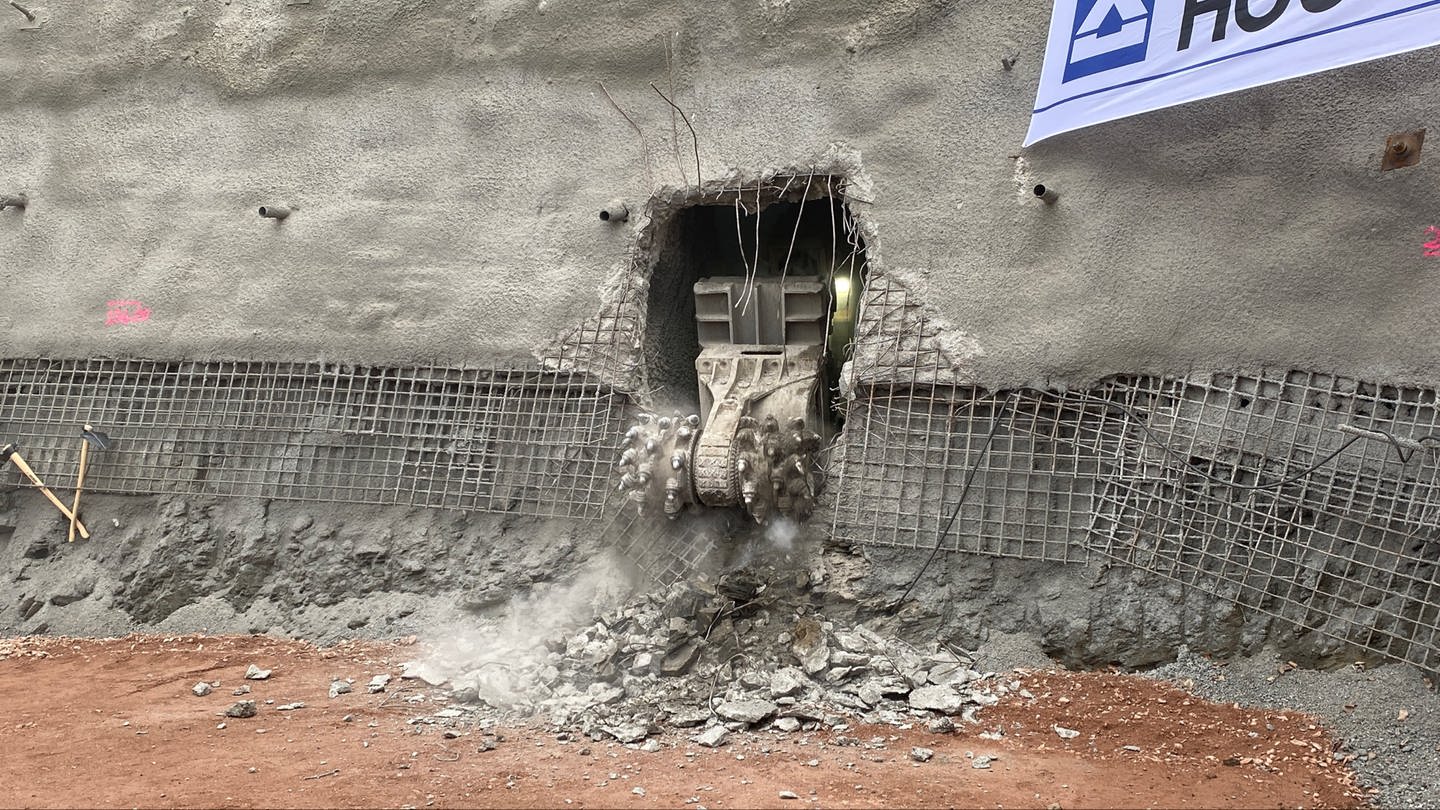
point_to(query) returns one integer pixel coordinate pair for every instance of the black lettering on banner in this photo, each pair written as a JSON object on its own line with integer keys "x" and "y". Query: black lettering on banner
{"x": 1195, "y": 8}
{"x": 1248, "y": 22}
{"x": 1251, "y": 23}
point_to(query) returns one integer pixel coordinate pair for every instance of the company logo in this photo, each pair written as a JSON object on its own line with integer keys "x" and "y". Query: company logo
{"x": 1107, "y": 34}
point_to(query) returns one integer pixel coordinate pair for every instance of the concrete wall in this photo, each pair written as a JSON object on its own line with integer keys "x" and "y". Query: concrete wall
{"x": 449, "y": 159}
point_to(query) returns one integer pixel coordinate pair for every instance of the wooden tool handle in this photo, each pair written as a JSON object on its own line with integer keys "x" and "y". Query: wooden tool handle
{"x": 44, "y": 490}
{"x": 79, "y": 484}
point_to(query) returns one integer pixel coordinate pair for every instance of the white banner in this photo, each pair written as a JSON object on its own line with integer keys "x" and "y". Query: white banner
{"x": 1107, "y": 59}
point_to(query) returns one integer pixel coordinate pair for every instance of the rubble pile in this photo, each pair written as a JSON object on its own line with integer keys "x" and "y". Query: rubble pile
{"x": 738, "y": 654}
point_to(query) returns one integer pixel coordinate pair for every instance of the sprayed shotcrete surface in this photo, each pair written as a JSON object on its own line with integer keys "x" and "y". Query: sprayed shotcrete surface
{"x": 448, "y": 163}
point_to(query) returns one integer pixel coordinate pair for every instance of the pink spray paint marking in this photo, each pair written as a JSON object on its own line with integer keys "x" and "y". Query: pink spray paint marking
{"x": 121, "y": 313}
{"x": 1432, "y": 248}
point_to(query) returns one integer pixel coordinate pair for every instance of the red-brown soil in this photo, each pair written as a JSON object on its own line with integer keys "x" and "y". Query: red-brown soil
{"x": 110, "y": 723}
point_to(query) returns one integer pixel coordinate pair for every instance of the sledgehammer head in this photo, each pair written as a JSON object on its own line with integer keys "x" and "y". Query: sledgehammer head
{"x": 98, "y": 440}
{"x": 7, "y": 451}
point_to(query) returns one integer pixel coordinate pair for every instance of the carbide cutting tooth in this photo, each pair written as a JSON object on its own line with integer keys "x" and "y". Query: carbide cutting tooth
{"x": 644, "y": 417}
{"x": 677, "y": 461}
{"x": 664, "y": 423}
{"x": 651, "y": 446}
{"x": 693, "y": 419}
{"x": 684, "y": 432}
{"x": 742, "y": 465}
{"x": 628, "y": 457}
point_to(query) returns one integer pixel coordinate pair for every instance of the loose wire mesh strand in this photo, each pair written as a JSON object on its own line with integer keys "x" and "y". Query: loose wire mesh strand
{"x": 522, "y": 441}
{"x": 1348, "y": 549}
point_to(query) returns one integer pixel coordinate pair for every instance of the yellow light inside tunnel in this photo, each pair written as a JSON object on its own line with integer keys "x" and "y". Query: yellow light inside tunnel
{"x": 842, "y": 292}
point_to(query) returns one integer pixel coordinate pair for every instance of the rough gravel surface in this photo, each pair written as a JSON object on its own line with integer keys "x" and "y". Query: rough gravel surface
{"x": 1387, "y": 717}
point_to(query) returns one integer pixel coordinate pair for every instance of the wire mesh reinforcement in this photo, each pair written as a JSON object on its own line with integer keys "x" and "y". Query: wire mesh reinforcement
{"x": 899, "y": 470}
{"x": 523, "y": 441}
{"x": 1306, "y": 496}
{"x": 665, "y": 551}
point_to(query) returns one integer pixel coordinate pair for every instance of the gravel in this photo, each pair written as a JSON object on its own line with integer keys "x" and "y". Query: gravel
{"x": 1400, "y": 758}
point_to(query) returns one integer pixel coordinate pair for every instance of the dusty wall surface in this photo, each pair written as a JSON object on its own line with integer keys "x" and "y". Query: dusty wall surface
{"x": 448, "y": 161}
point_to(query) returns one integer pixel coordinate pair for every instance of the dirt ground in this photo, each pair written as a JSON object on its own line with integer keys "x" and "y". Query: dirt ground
{"x": 113, "y": 722}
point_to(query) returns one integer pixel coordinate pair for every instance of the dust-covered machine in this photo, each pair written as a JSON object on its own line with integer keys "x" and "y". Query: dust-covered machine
{"x": 761, "y": 373}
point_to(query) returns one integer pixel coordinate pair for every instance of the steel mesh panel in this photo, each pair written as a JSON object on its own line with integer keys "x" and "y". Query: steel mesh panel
{"x": 525, "y": 441}
{"x": 1271, "y": 496}
{"x": 1309, "y": 497}
{"x": 901, "y": 466}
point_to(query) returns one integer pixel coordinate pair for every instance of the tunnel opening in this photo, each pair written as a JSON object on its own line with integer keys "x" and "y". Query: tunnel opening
{"x": 787, "y": 229}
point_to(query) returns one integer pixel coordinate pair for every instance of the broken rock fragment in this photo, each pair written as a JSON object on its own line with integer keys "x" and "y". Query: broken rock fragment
{"x": 255, "y": 673}
{"x": 630, "y": 733}
{"x": 241, "y": 708}
{"x": 937, "y": 699}
{"x": 680, "y": 659}
{"x": 787, "y": 682}
{"x": 713, "y": 737}
{"x": 746, "y": 711}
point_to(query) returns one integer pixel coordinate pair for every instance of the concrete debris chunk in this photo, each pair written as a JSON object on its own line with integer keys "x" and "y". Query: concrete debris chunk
{"x": 650, "y": 746}
{"x": 688, "y": 718}
{"x": 813, "y": 659}
{"x": 982, "y": 763}
{"x": 290, "y": 707}
{"x": 629, "y": 733}
{"x": 338, "y": 688}
{"x": 787, "y": 682}
{"x": 746, "y": 711}
{"x": 937, "y": 699}
{"x": 921, "y": 754}
{"x": 787, "y": 724}
{"x": 378, "y": 684}
{"x": 680, "y": 659}
{"x": 605, "y": 694}
{"x": 951, "y": 675}
{"x": 202, "y": 689}
{"x": 255, "y": 673}
{"x": 852, "y": 641}
{"x": 940, "y": 725}
{"x": 713, "y": 737}
{"x": 841, "y": 658}
{"x": 1066, "y": 733}
{"x": 423, "y": 671}
{"x": 789, "y": 794}
{"x": 241, "y": 708}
